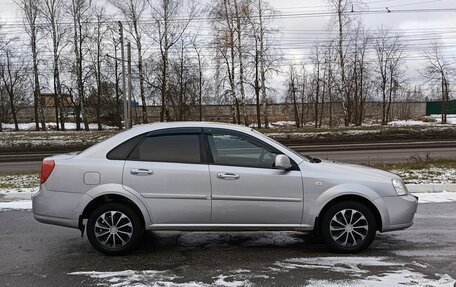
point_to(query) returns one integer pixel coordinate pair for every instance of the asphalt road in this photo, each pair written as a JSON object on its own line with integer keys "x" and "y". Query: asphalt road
{"x": 360, "y": 155}
{"x": 33, "y": 254}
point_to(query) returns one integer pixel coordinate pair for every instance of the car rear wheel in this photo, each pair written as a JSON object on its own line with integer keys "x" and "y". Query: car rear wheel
{"x": 348, "y": 227}
{"x": 114, "y": 229}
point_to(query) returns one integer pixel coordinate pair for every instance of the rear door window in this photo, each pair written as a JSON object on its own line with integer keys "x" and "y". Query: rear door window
{"x": 175, "y": 148}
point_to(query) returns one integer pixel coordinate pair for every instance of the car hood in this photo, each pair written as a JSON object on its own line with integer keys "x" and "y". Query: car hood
{"x": 353, "y": 171}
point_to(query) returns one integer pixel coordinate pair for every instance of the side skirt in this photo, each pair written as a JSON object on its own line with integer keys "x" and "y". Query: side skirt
{"x": 230, "y": 227}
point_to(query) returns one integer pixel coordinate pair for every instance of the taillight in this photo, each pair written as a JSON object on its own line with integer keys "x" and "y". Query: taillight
{"x": 46, "y": 169}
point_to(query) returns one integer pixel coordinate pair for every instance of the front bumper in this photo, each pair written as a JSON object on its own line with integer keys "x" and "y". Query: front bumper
{"x": 399, "y": 211}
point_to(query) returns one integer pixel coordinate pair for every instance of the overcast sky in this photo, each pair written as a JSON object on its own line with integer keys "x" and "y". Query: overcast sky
{"x": 299, "y": 31}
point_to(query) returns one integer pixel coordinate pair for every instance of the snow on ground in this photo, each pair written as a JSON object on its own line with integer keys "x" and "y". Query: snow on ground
{"x": 16, "y": 205}
{"x": 68, "y": 126}
{"x": 451, "y": 119}
{"x": 406, "y": 123}
{"x": 431, "y": 175}
{"x": 358, "y": 271}
{"x": 18, "y": 183}
{"x": 393, "y": 278}
{"x": 154, "y": 278}
{"x": 432, "y": 121}
{"x": 317, "y": 134}
{"x": 437, "y": 197}
{"x": 32, "y": 139}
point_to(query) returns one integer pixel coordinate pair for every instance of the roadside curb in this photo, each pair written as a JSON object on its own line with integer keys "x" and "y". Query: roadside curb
{"x": 428, "y": 188}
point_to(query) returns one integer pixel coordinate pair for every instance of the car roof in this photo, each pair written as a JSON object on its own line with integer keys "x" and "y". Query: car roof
{"x": 100, "y": 149}
{"x": 165, "y": 125}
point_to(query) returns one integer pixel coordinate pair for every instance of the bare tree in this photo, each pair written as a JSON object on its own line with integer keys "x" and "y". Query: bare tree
{"x": 241, "y": 13}
{"x": 30, "y": 11}
{"x": 199, "y": 51}
{"x": 98, "y": 45}
{"x": 361, "y": 46}
{"x": 78, "y": 10}
{"x": 292, "y": 92}
{"x": 133, "y": 11}
{"x": 317, "y": 80}
{"x": 13, "y": 74}
{"x": 342, "y": 9}
{"x": 52, "y": 11}
{"x": 264, "y": 58}
{"x": 226, "y": 52}
{"x": 390, "y": 53}
{"x": 439, "y": 71}
{"x": 170, "y": 30}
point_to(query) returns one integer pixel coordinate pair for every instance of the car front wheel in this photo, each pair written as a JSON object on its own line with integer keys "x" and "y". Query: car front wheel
{"x": 114, "y": 229}
{"x": 348, "y": 227}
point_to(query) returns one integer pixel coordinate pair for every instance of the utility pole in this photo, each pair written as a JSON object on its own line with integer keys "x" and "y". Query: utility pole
{"x": 126, "y": 103}
{"x": 129, "y": 82}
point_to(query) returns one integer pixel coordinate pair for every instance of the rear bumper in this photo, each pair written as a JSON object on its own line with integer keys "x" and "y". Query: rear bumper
{"x": 56, "y": 221}
{"x": 400, "y": 211}
{"x": 57, "y": 208}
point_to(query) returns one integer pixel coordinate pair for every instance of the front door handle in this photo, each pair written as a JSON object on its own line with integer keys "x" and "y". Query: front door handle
{"x": 230, "y": 176}
{"x": 141, "y": 171}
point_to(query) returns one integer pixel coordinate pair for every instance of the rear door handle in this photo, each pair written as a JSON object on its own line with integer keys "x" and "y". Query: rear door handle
{"x": 230, "y": 176}
{"x": 141, "y": 171}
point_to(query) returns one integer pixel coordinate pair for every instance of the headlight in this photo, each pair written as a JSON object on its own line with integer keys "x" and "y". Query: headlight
{"x": 400, "y": 187}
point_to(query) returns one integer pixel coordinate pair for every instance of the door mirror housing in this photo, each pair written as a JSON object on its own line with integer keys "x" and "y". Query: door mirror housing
{"x": 283, "y": 162}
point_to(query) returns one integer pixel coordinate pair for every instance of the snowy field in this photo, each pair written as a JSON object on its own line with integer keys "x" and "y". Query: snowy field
{"x": 425, "y": 121}
{"x": 432, "y": 175}
{"x": 53, "y": 126}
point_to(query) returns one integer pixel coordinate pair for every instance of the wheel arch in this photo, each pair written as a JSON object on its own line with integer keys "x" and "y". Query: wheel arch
{"x": 107, "y": 198}
{"x": 351, "y": 197}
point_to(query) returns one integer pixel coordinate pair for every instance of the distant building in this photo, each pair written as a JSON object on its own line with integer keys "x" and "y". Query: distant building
{"x": 50, "y": 97}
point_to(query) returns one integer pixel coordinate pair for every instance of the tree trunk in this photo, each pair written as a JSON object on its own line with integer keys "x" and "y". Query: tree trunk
{"x": 257, "y": 87}
{"x": 241, "y": 63}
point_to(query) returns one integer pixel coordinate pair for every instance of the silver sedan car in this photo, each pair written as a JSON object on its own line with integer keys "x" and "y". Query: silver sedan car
{"x": 197, "y": 176}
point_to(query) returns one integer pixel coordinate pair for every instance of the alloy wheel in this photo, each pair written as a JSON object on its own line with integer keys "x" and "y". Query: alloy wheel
{"x": 349, "y": 227}
{"x": 113, "y": 229}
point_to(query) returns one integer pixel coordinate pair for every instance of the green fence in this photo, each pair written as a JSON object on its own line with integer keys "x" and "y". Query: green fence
{"x": 435, "y": 108}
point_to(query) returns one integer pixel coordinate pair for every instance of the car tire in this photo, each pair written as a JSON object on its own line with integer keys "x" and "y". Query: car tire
{"x": 348, "y": 227}
{"x": 114, "y": 229}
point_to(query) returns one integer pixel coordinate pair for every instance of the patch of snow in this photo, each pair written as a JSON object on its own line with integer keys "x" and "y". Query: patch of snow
{"x": 68, "y": 126}
{"x": 343, "y": 264}
{"x": 16, "y": 205}
{"x": 358, "y": 270}
{"x": 451, "y": 119}
{"x": 393, "y": 278}
{"x": 436, "y": 197}
{"x": 221, "y": 281}
{"x": 431, "y": 175}
{"x": 155, "y": 278}
{"x": 18, "y": 183}
{"x": 406, "y": 123}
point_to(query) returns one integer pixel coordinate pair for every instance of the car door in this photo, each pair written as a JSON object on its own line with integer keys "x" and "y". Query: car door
{"x": 246, "y": 188}
{"x": 169, "y": 170}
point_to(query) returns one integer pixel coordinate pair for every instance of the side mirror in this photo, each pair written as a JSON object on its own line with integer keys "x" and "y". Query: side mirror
{"x": 283, "y": 162}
